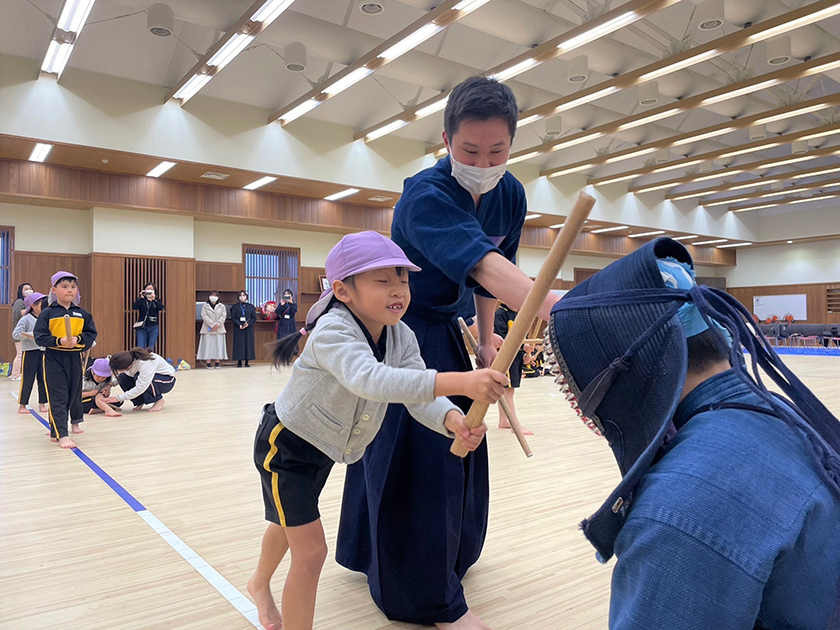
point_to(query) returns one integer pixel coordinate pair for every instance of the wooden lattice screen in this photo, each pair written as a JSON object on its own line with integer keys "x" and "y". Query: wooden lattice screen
{"x": 138, "y": 273}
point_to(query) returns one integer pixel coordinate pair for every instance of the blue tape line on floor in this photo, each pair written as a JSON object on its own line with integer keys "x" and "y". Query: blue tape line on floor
{"x": 124, "y": 494}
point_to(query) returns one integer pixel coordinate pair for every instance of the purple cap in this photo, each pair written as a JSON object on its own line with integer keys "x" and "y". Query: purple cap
{"x": 30, "y": 299}
{"x": 101, "y": 367}
{"x": 357, "y": 253}
{"x": 62, "y": 274}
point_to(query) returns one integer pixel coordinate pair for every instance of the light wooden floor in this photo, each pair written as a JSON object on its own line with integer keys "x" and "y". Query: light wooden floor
{"x": 73, "y": 555}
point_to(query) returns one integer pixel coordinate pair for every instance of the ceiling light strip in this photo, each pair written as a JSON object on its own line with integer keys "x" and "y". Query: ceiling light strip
{"x": 40, "y": 152}
{"x": 259, "y": 183}
{"x": 435, "y": 21}
{"x": 750, "y": 147}
{"x": 786, "y": 202}
{"x": 236, "y": 39}
{"x": 744, "y": 168}
{"x": 586, "y": 33}
{"x": 70, "y": 23}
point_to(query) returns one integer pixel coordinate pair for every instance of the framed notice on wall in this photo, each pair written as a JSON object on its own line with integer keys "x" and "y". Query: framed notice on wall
{"x": 796, "y": 304}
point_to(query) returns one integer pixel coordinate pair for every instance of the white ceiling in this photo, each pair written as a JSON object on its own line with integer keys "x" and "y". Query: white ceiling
{"x": 116, "y": 42}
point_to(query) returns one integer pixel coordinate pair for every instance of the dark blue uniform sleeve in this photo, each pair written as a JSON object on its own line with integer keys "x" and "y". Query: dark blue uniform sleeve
{"x": 511, "y": 242}
{"x": 442, "y": 231}
{"x": 665, "y": 578}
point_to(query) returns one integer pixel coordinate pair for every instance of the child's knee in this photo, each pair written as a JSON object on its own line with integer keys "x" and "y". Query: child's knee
{"x": 312, "y": 557}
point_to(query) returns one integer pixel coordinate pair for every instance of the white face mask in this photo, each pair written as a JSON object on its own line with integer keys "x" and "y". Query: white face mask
{"x": 475, "y": 179}
{"x": 27, "y": 292}
{"x": 214, "y": 299}
{"x": 242, "y": 298}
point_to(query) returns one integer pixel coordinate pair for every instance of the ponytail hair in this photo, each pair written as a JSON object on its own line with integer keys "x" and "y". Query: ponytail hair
{"x": 123, "y": 360}
{"x": 283, "y": 350}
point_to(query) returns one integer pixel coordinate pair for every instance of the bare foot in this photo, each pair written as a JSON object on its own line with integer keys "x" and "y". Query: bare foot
{"x": 505, "y": 424}
{"x": 158, "y": 405}
{"x": 22, "y": 409}
{"x": 42, "y": 408}
{"x": 76, "y": 429}
{"x": 113, "y": 414}
{"x": 468, "y": 622}
{"x": 66, "y": 442}
{"x": 266, "y": 608}
{"x": 138, "y": 408}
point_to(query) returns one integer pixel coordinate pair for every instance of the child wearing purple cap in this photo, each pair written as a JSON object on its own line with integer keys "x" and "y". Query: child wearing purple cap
{"x": 62, "y": 358}
{"x": 358, "y": 357}
{"x": 96, "y": 387}
{"x": 32, "y": 361}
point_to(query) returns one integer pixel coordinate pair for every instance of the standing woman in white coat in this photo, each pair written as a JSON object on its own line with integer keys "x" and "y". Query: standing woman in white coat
{"x": 212, "y": 346}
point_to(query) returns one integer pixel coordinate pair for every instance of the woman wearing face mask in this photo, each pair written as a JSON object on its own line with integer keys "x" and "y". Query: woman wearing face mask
{"x": 212, "y": 346}
{"x": 286, "y": 311}
{"x": 243, "y": 315}
{"x": 17, "y": 312}
{"x": 148, "y": 319}
{"x": 460, "y": 222}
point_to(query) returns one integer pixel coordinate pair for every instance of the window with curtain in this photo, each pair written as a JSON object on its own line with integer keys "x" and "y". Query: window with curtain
{"x": 269, "y": 271}
{"x": 7, "y": 246}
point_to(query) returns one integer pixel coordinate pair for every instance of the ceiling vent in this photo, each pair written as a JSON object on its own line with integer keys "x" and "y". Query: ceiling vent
{"x": 554, "y": 127}
{"x": 778, "y": 51}
{"x": 371, "y": 8}
{"x": 295, "y": 57}
{"x": 578, "y": 69}
{"x": 380, "y": 198}
{"x": 216, "y": 176}
{"x": 649, "y": 93}
{"x": 160, "y": 20}
{"x": 710, "y": 15}
{"x": 758, "y": 132}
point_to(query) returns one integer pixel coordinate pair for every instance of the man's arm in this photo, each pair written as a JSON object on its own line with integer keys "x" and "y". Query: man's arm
{"x": 508, "y": 283}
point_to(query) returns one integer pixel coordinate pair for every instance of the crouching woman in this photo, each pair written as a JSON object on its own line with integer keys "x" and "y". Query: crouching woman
{"x": 144, "y": 378}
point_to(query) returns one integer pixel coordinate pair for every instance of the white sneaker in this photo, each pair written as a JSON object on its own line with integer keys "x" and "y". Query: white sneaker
{"x": 218, "y": 367}
{"x": 14, "y": 378}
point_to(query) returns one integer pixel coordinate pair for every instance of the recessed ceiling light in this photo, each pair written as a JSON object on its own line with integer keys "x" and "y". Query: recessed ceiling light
{"x": 160, "y": 169}
{"x": 342, "y": 194}
{"x": 790, "y": 242}
{"x": 642, "y": 234}
{"x": 557, "y": 226}
{"x": 259, "y": 183}
{"x": 714, "y": 242}
{"x": 40, "y": 152}
{"x": 610, "y": 229}
{"x": 532, "y": 216}
{"x": 683, "y": 238}
{"x": 380, "y": 198}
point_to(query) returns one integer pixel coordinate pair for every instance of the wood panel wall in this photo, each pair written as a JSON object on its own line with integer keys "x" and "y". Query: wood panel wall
{"x": 213, "y": 276}
{"x": 816, "y": 299}
{"x": 31, "y": 182}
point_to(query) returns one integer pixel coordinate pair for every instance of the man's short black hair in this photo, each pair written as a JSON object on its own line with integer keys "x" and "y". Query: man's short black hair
{"x": 705, "y": 350}
{"x": 480, "y": 98}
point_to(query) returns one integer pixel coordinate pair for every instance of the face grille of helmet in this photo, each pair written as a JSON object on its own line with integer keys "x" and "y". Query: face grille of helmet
{"x": 562, "y": 376}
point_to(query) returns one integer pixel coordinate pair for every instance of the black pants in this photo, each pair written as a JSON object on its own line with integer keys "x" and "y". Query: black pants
{"x": 161, "y": 384}
{"x": 32, "y": 369}
{"x": 63, "y": 379}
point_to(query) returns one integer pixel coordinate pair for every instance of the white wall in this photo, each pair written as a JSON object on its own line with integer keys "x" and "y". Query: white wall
{"x": 44, "y": 229}
{"x": 222, "y": 242}
{"x": 142, "y": 233}
{"x": 786, "y": 264}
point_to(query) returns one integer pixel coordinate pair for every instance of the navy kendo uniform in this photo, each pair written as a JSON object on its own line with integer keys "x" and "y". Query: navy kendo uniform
{"x": 414, "y": 517}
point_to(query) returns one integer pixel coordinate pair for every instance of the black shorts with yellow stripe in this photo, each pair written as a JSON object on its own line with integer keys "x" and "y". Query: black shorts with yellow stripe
{"x": 292, "y": 470}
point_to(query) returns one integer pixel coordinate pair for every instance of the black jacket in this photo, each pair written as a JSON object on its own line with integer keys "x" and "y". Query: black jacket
{"x": 149, "y": 310}
{"x": 50, "y": 327}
